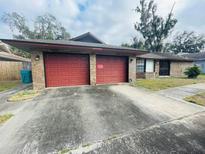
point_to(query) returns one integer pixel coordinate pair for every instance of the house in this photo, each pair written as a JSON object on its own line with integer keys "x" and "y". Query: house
{"x": 5, "y": 56}
{"x": 83, "y": 60}
{"x": 198, "y": 58}
{"x": 10, "y": 64}
{"x": 153, "y": 65}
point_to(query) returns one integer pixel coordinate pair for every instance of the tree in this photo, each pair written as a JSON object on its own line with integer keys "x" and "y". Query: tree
{"x": 187, "y": 42}
{"x": 153, "y": 28}
{"x": 45, "y": 27}
{"x": 136, "y": 43}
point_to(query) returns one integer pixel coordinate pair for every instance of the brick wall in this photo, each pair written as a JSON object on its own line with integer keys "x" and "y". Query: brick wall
{"x": 38, "y": 71}
{"x": 132, "y": 68}
{"x": 177, "y": 68}
{"x": 150, "y": 75}
{"x": 93, "y": 69}
{"x": 156, "y": 68}
{"x": 140, "y": 75}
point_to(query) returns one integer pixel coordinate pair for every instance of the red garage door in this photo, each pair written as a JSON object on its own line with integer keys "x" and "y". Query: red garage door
{"x": 111, "y": 69}
{"x": 66, "y": 69}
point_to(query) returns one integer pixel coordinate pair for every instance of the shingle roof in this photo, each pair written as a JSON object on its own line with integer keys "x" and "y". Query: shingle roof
{"x": 196, "y": 56}
{"x": 69, "y": 43}
{"x": 88, "y": 34}
{"x": 4, "y": 56}
{"x": 164, "y": 56}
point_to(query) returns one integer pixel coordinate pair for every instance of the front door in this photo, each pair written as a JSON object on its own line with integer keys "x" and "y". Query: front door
{"x": 164, "y": 68}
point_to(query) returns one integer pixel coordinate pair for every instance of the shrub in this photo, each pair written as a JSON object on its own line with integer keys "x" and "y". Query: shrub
{"x": 192, "y": 72}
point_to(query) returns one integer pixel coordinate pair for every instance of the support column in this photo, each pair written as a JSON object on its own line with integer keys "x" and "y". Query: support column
{"x": 38, "y": 74}
{"x": 132, "y": 68}
{"x": 93, "y": 69}
{"x": 157, "y": 68}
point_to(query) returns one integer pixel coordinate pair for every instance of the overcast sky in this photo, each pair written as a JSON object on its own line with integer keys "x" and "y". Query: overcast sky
{"x": 110, "y": 20}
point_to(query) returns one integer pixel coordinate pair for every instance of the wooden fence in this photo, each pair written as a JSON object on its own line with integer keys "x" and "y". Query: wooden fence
{"x": 11, "y": 70}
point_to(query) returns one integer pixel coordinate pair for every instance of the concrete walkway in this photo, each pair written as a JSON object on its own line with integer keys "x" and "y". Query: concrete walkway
{"x": 158, "y": 105}
{"x": 179, "y": 93}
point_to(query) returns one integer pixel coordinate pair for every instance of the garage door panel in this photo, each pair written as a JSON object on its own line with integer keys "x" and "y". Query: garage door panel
{"x": 111, "y": 69}
{"x": 66, "y": 69}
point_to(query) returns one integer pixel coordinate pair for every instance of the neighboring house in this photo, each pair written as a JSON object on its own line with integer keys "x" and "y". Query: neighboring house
{"x": 153, "y": 65}
{"x": 198, "y": 58}
{"x": 84, "y": 60}
{"x": 10, "y": 64}
{"x": 4, "y": 47}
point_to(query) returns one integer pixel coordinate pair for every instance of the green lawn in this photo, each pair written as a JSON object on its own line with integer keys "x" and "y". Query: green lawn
{"x": 5, "y": 117}
{"x": 202, "y": 76}
{"x": 23, "y": 95}
{"x": 197, "y": 99}
{"x": 5, "y": 85}
{"x": 164, "y": 83}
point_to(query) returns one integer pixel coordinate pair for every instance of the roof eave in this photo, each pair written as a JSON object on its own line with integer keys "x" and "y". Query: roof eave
{"x": 172, "y": 59}
{"x": 32, "y": 46}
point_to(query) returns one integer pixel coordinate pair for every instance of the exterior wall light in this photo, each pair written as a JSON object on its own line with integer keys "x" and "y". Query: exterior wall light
{"x": 131, "y": 60}
{"x": 37, "y": 58}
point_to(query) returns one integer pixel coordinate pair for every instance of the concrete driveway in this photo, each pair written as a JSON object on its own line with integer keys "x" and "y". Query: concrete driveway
{"x": 103, "y": 119}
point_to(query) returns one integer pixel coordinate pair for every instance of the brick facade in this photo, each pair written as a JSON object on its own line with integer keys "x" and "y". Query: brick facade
{"x": 177, "y": 68}
{"x": 156, "y": 69}
{"x": 38, "y": 74}
{"x": 140, "y": 75}
{"x": 150, "y": 75}
{"x": 132, "y": 68}
{"x": 93, "y": 69}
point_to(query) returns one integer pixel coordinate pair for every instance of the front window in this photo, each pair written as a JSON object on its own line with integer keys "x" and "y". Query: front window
{"x": 140, "y": 65}
{"x": 149, "y": 65}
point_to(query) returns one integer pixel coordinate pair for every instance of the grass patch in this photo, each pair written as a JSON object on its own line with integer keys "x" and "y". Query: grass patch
{"x": 201, "y": 76}
{"x": 6, "y": 85}
{"x": 23, "y": 95}
{"x": 5, "y": 117}
{"x": 164, "y": 83}
{"x": 197, "y": 99}
{"x": 66, "y": 150}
